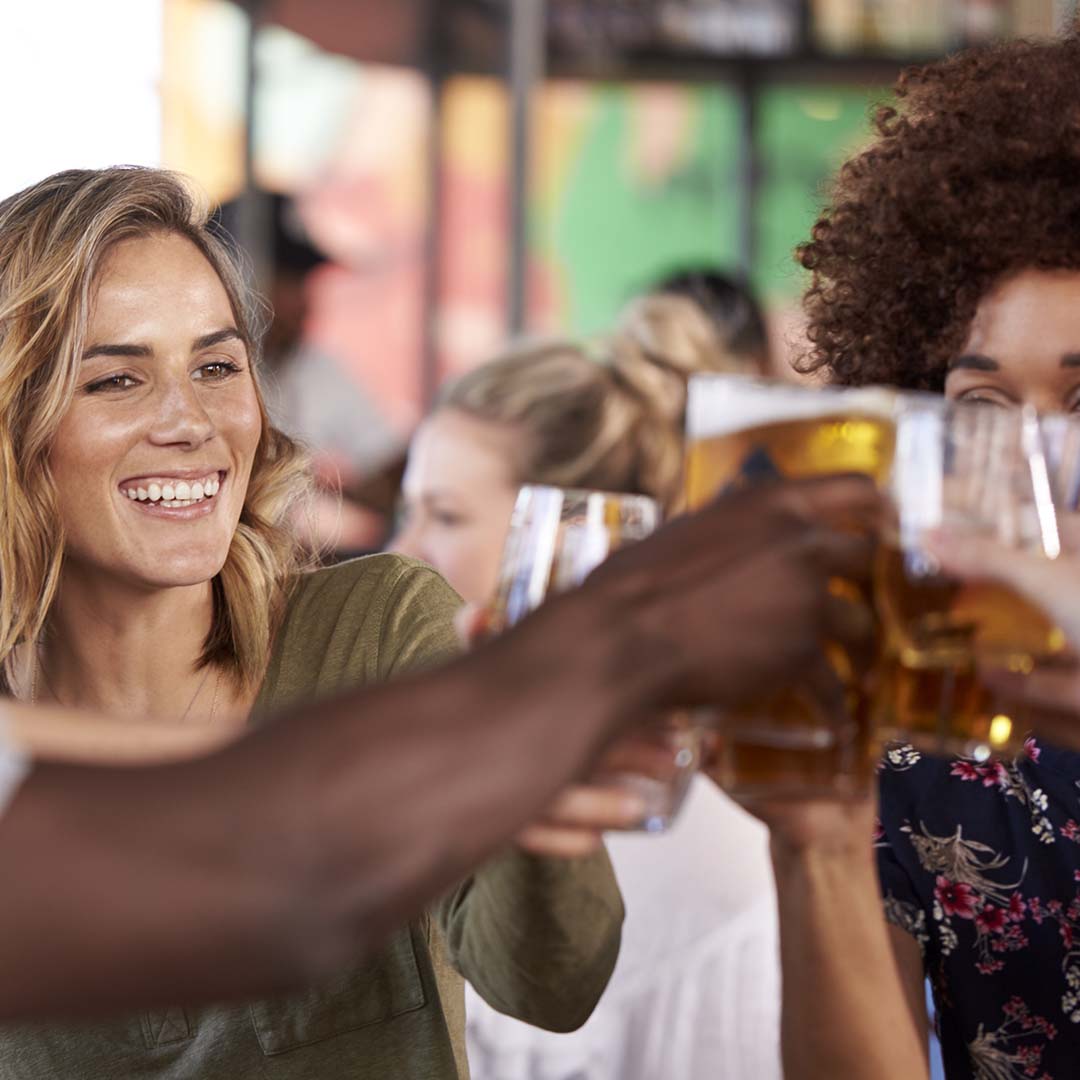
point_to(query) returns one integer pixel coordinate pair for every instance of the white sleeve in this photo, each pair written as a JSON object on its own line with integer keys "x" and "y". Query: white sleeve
{"x": 13, "y": 767}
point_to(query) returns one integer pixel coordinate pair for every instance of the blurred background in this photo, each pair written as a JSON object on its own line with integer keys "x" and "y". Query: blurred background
{"x": 459, "y": 171}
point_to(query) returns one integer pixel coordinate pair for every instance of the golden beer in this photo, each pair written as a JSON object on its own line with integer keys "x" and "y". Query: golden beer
{"x": 938, "y": 633}
{"x": 792, "y": 743}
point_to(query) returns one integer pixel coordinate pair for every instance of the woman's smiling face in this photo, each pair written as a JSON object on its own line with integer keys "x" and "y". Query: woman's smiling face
{"x": 152, "y": 458}
{"x": 1024, "y": 344}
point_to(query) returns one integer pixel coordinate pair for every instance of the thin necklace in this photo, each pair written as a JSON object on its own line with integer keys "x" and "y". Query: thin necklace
{"x": 39, "y": 665}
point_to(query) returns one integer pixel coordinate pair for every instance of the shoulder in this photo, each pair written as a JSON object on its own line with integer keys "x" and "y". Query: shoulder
{"x": 370, "y": 579}
{"x": 373, "y": 596}
{"x": 362, "y": 621}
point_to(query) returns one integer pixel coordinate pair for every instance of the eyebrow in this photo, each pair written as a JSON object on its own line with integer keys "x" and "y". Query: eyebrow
{"x": 207, "y": 341}
{"x": 974, "y": 362}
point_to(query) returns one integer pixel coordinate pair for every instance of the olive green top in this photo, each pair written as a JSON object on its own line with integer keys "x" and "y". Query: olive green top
{"x": 537, "y": 938}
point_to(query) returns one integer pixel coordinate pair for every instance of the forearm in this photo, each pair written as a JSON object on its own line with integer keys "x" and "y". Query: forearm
{"x": 289, "y": 854}
{"x": 57, "y": 734}
{"x": 488, "y": 743}
{"x": 844, "y": 1009}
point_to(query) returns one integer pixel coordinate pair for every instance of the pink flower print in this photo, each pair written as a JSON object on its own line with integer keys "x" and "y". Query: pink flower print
{"x": 989, "y": 967}
{"x": 1031, "y": 748}
{"x": 955, "y": 897}
{"x": 991, "y": 920}
{"x": 992, "y": 774}
{"x": 1017, "y": 907}
{"x": 1071, "y": 830}
{"x": 1066, "y": 932}
{"x": 879, "y": 831}
{"x": 966, "y": 770}
{"x": 1013, "y": 1008}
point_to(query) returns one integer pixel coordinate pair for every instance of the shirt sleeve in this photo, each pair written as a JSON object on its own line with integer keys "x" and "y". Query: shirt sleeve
{"x": 537, "y": 938}
{"x": 416, "y": 631}
{"x": 903, "y": 904}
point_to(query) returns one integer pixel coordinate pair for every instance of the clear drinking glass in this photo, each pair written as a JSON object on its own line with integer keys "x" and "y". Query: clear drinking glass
{"x": 557, "y": 536}
{"x": 743, "y": 431}
{"x": 975, "y": 470}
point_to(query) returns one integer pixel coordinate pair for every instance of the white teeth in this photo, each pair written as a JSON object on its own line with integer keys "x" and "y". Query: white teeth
{"x": 175, "y": 495}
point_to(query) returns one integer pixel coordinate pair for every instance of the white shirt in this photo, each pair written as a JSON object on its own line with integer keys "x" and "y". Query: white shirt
{"x": 696, "y": 991}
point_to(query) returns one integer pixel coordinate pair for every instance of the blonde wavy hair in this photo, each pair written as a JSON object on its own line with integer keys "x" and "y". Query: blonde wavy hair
{"x": 606, "y": 414}
{"x": 54, "y": 237}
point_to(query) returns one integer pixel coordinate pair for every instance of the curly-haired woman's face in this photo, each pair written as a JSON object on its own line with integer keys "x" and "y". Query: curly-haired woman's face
{"x": 152, "y": 459}
{"x": 1024, "y": 344}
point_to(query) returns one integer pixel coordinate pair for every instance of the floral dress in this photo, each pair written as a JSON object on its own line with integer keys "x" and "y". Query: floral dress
{"x": 980, "y": 863}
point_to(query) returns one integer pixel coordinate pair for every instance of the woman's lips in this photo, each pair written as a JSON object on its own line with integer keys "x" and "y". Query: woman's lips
{"x": 167, "y": 497}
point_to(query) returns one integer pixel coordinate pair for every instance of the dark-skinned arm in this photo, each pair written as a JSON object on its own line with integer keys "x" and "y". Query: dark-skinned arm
{"x": 282, "y": 858}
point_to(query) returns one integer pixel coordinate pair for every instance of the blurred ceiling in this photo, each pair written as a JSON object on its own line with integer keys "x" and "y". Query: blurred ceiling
{"x": 399, "y": 32}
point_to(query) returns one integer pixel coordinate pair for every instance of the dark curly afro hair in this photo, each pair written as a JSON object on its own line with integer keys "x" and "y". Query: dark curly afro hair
{"x": 975, "y": 174}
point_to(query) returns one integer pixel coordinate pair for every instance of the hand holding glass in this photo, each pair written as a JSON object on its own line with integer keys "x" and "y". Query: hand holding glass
{"x": 557, "y": 537}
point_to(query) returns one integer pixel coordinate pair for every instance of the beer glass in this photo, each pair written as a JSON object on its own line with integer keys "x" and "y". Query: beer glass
{"x": 743, "y": 431}
{"x": 977, "y": 470}
{"x": 556, "y": 538}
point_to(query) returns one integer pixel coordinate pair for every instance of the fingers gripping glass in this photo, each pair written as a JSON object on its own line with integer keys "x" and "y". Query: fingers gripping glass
{"x": 968, "y": 471}
{"x": 812, "y": 738}
{"x": 557, "y": 537}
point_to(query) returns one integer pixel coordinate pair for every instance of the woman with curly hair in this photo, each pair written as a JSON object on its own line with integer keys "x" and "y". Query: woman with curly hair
{"x": 948, "y": 261}
{"x": 147, "y": 569}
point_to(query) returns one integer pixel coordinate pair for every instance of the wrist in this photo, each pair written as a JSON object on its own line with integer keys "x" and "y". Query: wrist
{"x": 563, "y": 662}
{"x": 796, "y": 858}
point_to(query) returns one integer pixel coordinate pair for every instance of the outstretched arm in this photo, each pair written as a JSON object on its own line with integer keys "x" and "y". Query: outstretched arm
{"x": 282, "y": 857}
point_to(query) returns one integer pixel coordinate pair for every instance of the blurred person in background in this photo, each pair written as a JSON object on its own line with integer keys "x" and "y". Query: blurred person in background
{"x": 732, "y": 309}
{"x": 148, "y": 568}
{"x": 696, "y": 992}
{"x": 310, "y": 395}
{"x": 948, "y": 261}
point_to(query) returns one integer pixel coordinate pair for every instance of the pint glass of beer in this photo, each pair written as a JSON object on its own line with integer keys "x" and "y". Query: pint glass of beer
{"x": 556, "y": 538}
{"x": 740, "y": 431}
{"x": 1003, "y": 474}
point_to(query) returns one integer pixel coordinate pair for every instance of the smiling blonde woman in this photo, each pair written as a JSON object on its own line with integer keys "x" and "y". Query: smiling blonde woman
{"x": 146, "y": 569}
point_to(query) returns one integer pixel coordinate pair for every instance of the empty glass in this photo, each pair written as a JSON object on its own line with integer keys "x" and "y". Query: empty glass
{"x": 557, "y": 537}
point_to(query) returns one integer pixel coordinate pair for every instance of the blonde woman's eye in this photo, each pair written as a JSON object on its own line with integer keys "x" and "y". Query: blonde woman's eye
{"x": 111, "y": 382}
{"x": 217, "y": 370}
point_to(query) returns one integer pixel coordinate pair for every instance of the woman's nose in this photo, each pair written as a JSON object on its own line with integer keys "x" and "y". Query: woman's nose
{"x": 181, "y": 416}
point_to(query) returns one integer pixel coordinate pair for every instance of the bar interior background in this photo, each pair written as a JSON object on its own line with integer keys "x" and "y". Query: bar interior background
{"x": 481, "y": 167}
